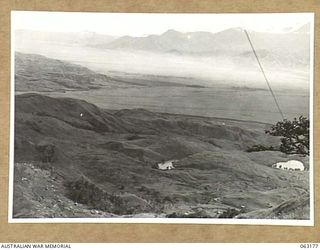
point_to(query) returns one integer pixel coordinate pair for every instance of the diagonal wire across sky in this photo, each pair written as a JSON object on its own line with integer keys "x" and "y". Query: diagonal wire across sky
{"x": 262, "y": 70}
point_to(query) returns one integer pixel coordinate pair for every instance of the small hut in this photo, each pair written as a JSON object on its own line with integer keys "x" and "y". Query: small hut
{"x": 167, "y": 165}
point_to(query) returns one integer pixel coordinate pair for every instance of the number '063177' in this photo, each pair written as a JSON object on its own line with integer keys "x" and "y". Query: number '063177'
{"x": 309, "y": 245}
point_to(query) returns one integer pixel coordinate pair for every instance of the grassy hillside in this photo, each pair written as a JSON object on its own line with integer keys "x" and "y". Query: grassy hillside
{"x": 73, "y": 159}
{"x": 38, "y": 73}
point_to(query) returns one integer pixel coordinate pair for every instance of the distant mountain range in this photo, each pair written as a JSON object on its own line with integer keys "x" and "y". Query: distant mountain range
{"x": 172, "y": 41}
{"x": 228, "y": 41}
{"x": 176, "y": 42}
{"x": 287, "y": 49}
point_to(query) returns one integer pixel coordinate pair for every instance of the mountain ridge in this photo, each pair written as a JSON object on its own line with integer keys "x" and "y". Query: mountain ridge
{"x": 202, "y": 41}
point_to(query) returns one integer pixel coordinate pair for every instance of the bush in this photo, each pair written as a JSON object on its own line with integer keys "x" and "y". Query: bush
{"x": 257, "y": 148}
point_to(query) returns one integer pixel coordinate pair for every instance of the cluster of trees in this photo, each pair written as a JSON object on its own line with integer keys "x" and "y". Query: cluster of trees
{"x": 295, "y": 137}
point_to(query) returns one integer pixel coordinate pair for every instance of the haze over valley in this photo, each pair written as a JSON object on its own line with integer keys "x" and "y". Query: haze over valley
{"x": 224, "y": 57}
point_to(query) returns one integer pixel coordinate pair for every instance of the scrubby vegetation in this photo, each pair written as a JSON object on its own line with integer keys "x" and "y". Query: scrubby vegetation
{"x": 86, "y": 192}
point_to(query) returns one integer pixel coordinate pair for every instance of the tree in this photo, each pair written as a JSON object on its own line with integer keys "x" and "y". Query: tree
{"x": 295, "y": 135}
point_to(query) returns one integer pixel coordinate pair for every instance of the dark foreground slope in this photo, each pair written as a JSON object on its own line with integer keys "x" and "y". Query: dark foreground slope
{"x": 73, "y": 159}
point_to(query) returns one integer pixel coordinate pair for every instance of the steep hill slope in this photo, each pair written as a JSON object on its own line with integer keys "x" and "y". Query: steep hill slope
{"x": 39, "y": 73}
{"x": 101, "y": 163}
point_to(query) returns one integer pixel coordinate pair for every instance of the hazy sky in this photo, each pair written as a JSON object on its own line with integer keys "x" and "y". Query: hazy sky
{"x": 137, "y": 24}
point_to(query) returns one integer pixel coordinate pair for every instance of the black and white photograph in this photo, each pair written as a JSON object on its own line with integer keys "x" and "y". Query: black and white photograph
{"x": 162, "y": 118}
